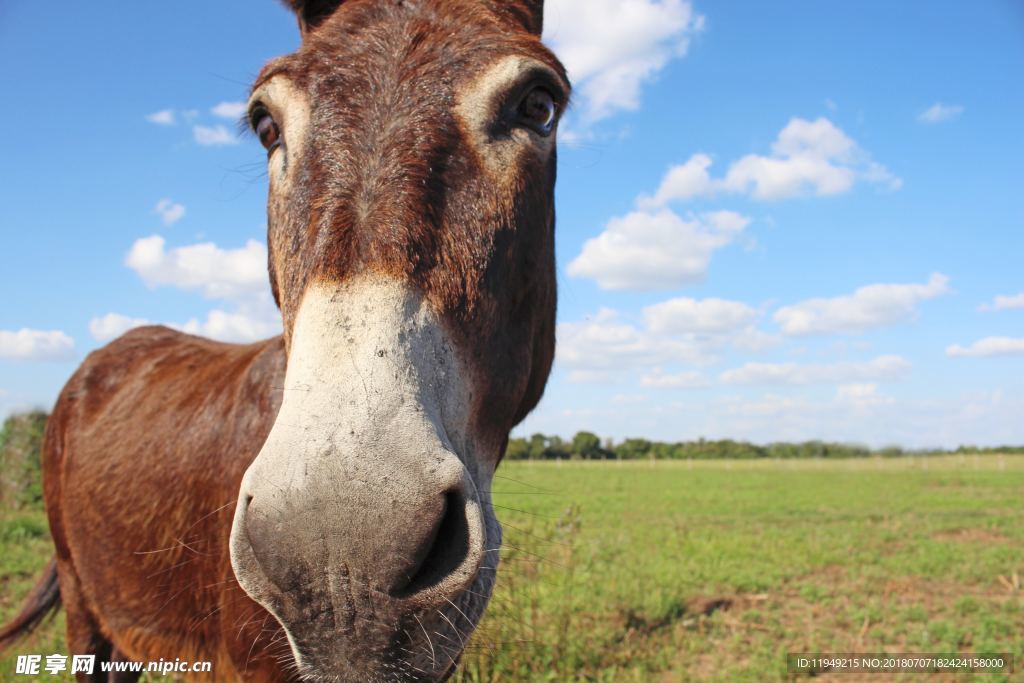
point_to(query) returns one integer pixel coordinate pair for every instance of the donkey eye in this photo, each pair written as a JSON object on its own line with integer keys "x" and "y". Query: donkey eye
{"x": 537, "y": 111}
{"x": 266, "y": 129}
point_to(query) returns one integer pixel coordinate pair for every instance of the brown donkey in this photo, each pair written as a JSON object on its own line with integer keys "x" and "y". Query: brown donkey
{"x": 317, "y": 506}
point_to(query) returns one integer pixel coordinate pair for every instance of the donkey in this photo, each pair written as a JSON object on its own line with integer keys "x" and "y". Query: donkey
{"x": 317, "y": 506}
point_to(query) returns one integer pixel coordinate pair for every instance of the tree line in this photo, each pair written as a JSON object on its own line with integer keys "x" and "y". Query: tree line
{"x": 21, "y": 438}
{"x": 589, "y": 446}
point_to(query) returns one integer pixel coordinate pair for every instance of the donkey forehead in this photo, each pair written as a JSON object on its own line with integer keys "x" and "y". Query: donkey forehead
{"x": 379, "y": 46}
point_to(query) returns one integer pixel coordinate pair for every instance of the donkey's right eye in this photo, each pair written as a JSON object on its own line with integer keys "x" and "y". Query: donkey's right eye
{"x": 266, "y": 129}
{"x": 537, "y": 111}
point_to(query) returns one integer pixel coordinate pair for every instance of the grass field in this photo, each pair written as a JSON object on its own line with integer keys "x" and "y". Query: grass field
{"x": 677, "y": 571}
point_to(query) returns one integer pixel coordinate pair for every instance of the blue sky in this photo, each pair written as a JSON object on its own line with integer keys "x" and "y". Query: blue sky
{"x": 781, "y": 220}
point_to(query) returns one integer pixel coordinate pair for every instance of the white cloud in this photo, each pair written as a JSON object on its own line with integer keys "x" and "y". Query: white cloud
{"x": 170, "y": 212}
{"x": 767, "y": 406}
{"x": 682, "y": 380}
{"x": 753, "y": 339}
{"x": 217, "y": 135}
{"x": 683, "y": 181}
{"x": 590, "y": 377}
{"x": 808, "y": 157}
{"x": 235, "y": 275}
{"x": 611, "y": 48}
{"x": 871, "y": 306}
{"x": 881, "y": 368}
{"x": 230, "y": 110}
{"x": 251, "y": 322}
{"x": 164, "y": 117}
{"x": 862, "y": 396}
{"x": 861, "y": 416}
{"x": 850, "y": 415}
{"x": 113, "y": 325}
{"x": 654, "y": 250}
{"x": 988, "y": 347}
{"x": 606, "y": 344}
{"x": 692, "y": 316}
{"x": 684, "y": 332}
{"x": 26, "y": 344}
{"x": 218, "y": 273}
{"x": 938, "y": 112}
{"x": 628, "y": 399}
{"x": 853, "y": 392}
{"x": 1004, "y": 303}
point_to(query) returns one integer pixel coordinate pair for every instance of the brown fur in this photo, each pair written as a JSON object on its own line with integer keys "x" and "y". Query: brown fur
{"x": 150, "y": 438}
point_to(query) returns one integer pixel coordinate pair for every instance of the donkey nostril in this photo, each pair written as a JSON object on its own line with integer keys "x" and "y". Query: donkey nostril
{"x": 444, "y": 550}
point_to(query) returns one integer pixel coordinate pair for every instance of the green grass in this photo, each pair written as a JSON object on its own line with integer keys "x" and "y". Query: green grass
{"x": 711, "y": 570}
{"x": 715, "y": 570}
{"x": 25, "y": 548}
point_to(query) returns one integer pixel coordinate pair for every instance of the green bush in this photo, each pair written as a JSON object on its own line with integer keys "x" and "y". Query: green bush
{"x": 21, "y": 442}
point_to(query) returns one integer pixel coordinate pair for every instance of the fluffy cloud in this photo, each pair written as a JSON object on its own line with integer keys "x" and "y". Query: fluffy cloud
{"x": 217, "y": 273}
{"x": 988, "y": 347}
{"x": 164, "y": 117}
{"x": 938, "y": 112}
{"x": 212, "y": 136}
{"x": 26, "y": 344}
{"x": 692, "y": 316}
{"x": 1004, "y": 303}
{"x": 863, "y": 396}
{"x": 113, "y": 325}
{"x": 682, "y": 380}
{"x": 684, "y": 181}
{"x": 238, "y": 276}
{"x": 867, "y": 307}
{"x": 808, "y": 157}
{"x": 881, "y": 368}
{"x": 852, "y": 414}
{"x": 250, "y": 322}
{"x": 605, "y": 343}
{"x": 655, "y": 250}
{"x": 611, "y": 48}
{"x": 678, "y": 332}
{"x": 862, "y": 415}
{"x": 230, "y": 110}
{"x": 170, "y": 212}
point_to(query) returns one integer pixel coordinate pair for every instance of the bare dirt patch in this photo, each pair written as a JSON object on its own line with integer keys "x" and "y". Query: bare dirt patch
{"x": 970, "y": 535}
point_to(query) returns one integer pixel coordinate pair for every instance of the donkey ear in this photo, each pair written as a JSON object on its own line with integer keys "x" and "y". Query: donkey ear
{"x": 528, "y": 13}
{"x": 534, "y": 15}
{"x": 312, "y": 13}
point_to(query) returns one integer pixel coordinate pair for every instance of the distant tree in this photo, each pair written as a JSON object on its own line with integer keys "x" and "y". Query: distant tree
{"x": 558, "y": 449}
{"x": 21, "y": 442}
{"x": 633, "y": 449}
{"x": 538, "y": 447}
{"x": 587, "y": 445}
{"x": 517, "y": 449}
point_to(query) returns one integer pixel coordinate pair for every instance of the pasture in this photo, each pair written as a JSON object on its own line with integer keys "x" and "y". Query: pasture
{"x": 714, "y": 570}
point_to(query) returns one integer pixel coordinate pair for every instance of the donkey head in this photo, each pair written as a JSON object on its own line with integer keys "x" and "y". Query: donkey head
{"x": 411, "y": 149}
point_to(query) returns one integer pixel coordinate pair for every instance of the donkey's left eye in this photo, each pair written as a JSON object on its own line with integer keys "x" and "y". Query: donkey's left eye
{"x": 537, "y": 111}
{"x": 266, "y": 129}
